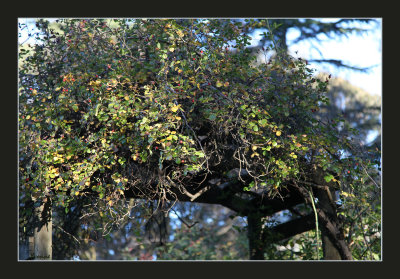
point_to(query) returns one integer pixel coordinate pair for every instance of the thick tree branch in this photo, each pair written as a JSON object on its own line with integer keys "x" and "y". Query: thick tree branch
{"x": 290, "y": 228}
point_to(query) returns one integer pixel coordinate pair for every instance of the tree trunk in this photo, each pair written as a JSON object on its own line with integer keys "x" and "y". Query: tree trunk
{"x": 333, "y": 248}
{"x": 42, "y": 235}
{"x": 256, "y": 245}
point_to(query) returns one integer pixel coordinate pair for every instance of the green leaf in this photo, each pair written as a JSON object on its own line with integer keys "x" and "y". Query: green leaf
{"x": 212, "y": 117}
{"x": 263, "y": 122}
{"x": 255, "y": 128}
{"x": 328, "y": 178}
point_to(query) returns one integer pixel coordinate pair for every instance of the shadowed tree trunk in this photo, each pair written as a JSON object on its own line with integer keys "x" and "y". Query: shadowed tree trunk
{"x": 329, "y": 249}
{"x": 334, "y": 248}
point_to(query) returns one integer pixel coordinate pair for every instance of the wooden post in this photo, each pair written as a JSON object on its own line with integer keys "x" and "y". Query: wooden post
{"x": 42, "y": 236}
{"x": 256, "y": 245}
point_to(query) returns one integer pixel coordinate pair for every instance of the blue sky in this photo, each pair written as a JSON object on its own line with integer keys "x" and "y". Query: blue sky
{"x": 357, "y": 50}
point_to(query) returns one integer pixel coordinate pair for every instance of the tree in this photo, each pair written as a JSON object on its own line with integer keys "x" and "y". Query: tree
{"x": 161, "y": 111}
{"x": 312, "y": 30}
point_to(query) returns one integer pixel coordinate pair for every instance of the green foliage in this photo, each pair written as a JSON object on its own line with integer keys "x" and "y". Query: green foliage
{"x": 110, "y": 108}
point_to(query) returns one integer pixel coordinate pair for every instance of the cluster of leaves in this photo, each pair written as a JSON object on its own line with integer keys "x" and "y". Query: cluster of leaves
{"x": 150, "y": 106}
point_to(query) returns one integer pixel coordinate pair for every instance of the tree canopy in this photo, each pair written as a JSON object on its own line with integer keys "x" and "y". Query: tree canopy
{"x": 178, "y": 110}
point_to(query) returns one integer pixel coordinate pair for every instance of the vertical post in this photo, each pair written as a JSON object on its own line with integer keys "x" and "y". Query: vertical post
{"x": 42, "y": 236}
{"x": 256, "y": 247}
{"x": 327, "y": 199}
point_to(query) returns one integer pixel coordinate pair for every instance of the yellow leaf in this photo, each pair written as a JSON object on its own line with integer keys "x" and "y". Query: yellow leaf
{"x": 28, "y": 117}
{"x": 254, "y": 148}
{"x": 226, "y": 84}
{"x": 169, "y": 138}
{"x": 278, "y": 133}
{"x": 126, "y": 98}
{"x": 175, "y": 108}
{"x": 219, "y": 84}
{"x": 171, "y": 49}
{"x": 76, "y": 193}
{"x": 254, "y": 154}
